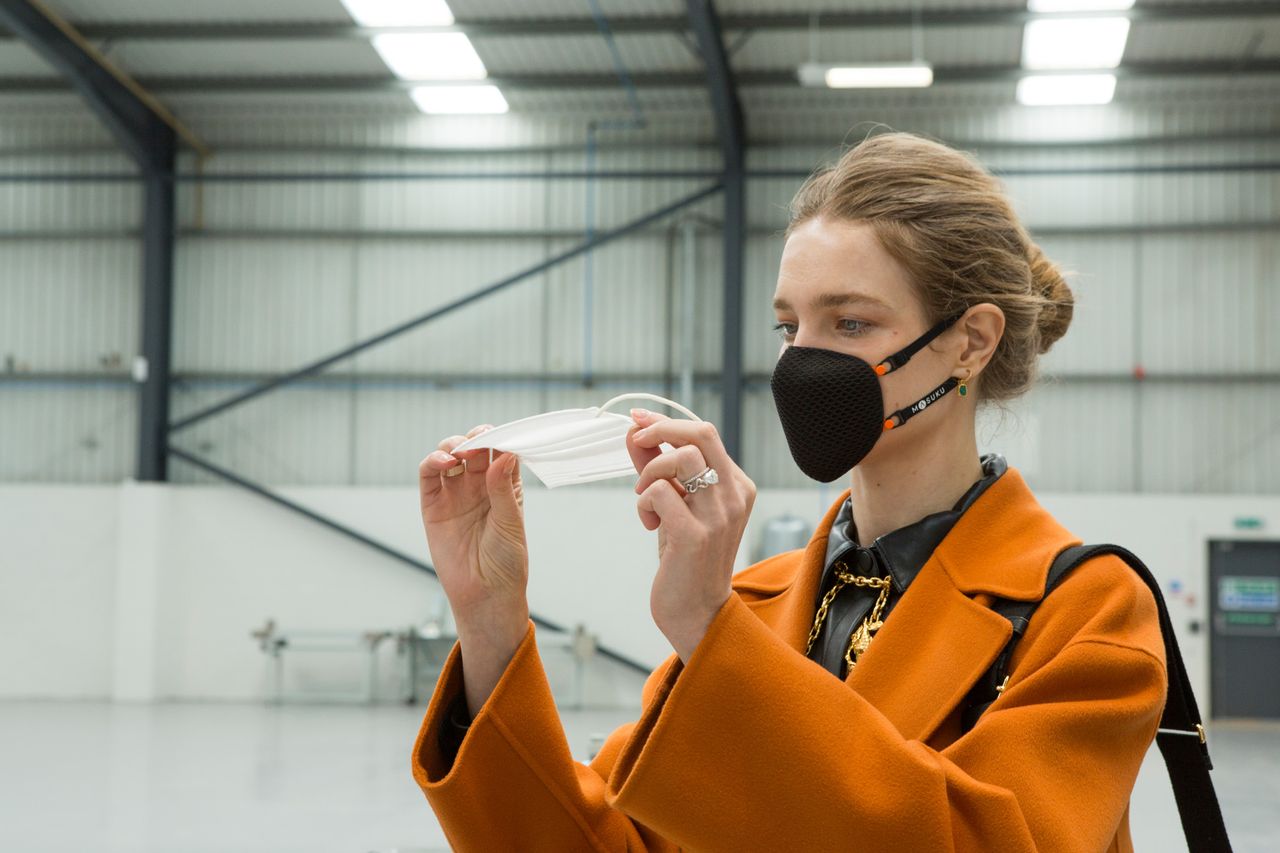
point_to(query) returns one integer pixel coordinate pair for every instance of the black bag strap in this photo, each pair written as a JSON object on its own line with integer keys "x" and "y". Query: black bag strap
{"x": 1180, "y": 736}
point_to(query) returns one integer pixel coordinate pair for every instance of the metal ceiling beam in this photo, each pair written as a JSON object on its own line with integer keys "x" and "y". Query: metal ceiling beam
{"x": 722, "y": 89}
{"x": 563, "y": 26}
{"x": 149, "y": 135}
{"x": 693, "y": 143}
{"x": 943, "y": 75}
{"x": 145, "y": 136}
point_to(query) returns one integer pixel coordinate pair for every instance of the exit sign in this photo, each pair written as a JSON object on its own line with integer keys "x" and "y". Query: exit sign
{"x": 1248, "y": 522}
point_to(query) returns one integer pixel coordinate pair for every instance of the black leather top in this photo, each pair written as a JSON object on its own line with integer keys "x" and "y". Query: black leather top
{"x": 899, "y": 553}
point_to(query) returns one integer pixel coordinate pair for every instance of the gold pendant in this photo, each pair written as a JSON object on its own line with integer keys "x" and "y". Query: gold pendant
{"x": 857, "y": 644}
{"x": 861, "y": 640}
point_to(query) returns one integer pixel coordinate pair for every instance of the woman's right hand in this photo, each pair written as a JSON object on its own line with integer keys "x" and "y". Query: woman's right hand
{"x": 474, "y": 523}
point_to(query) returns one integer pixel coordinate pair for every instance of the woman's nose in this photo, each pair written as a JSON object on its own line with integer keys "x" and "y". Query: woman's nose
{"x": 805, "y": 339}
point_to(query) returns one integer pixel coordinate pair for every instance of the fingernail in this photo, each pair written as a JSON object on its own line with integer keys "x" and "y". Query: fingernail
{"x": 511, "y": 465}
{"x": 639, "y": 413}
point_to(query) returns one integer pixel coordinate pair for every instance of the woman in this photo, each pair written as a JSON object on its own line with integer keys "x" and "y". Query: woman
{"x": 790, "y": 717}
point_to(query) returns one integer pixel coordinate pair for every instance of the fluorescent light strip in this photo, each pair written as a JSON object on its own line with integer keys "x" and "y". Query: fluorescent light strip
{"x": 883, "y": 76}
{"x": 1074, "y": 43}
{"x": 430, "y": 56}
{"x": 459, "y": 99}
{"x": 869, "y": 76}
{"x": 399, "y": 13}
{"x": 1041, "y": 90}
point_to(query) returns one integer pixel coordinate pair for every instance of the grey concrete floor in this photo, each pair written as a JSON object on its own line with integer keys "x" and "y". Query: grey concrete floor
{"x": 227, "y": 778}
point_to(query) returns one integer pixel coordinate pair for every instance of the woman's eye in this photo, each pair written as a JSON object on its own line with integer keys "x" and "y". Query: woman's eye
{"x": 787, "y": 330}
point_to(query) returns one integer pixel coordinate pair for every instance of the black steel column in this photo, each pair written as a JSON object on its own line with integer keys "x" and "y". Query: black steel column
{"x": 158, "y": 230}
{"x": 152, "y": 144}
{"x": 705, "y": 24}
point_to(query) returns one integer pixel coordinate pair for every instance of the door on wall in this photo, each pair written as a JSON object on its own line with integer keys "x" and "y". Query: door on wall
{"x": 1244, "y": 642}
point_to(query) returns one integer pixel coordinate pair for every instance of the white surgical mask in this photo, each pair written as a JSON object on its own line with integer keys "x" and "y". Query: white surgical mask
{"x": 569, "y": 446}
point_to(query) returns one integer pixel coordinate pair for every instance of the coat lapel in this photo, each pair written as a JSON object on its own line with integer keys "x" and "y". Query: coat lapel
{"x": 789, "y": 590}
{"x": 934, "y": 646}
{"x": 939, "y": 639}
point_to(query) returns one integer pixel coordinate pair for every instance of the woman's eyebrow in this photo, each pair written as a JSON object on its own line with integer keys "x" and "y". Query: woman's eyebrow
{"x": 835, "y": 300}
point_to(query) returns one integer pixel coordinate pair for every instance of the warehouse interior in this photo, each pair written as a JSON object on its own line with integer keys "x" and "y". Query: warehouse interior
{"x": 258, "y": 259}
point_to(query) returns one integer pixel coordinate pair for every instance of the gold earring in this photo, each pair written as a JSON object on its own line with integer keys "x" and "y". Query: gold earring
{"x": 964, "y": 389}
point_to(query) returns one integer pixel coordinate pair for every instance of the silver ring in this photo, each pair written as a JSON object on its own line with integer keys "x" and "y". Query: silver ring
{"x": 457, "y": 469}
{"x": 707, "y": 477}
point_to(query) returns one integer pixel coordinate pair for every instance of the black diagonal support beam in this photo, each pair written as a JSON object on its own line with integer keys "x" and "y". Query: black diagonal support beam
{"x": 152, "y": 144}
{"x": 731, "y": 133}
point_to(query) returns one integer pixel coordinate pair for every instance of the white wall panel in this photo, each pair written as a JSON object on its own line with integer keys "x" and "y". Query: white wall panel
{"x": 761, "y": 344}
{"x": 293, "y": 204}
{"x": 401, "y": 281}
{"x": 1211, "y": 302}
{"x": 68, "y": 305}
{"x": 256, "y": 305}
{"x": 299, "y": 435}
{"x": 1102, "y": 274}
{"x": 28, "y": 207}
{"x": 1211, "y": 438}
{"x": 59, "y": 432}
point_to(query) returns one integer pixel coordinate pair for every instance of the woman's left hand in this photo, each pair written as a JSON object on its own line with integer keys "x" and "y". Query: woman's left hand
{"x": 699, "y": 533}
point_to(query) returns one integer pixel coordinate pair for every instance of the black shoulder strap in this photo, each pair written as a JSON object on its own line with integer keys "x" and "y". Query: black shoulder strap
{"x": 1180, "y": 736}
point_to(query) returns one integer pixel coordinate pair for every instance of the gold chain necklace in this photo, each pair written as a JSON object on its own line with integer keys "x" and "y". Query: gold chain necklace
{"x": 861, "y": 637}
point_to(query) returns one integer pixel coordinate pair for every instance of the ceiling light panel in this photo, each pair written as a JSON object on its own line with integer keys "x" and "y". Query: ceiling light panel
{"x": 1074, "y": 42}
{"x": 866, "y": 76}
{"x": 430, "y": 56}
{"x": 1041, "y": 90}
{"x": 459, "y": 99}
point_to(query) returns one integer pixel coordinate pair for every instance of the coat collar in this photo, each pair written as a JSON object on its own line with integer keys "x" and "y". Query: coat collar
{"x": 938, "y": 640}
{"x": 1004, "y": 544}
{"x": 901, "y": 552}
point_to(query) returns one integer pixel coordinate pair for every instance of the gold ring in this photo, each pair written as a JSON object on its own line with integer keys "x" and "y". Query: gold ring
{"x": 457, "y": 469}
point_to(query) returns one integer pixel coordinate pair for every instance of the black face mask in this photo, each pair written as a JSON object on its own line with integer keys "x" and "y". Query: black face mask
{"x": 831, "y": 407}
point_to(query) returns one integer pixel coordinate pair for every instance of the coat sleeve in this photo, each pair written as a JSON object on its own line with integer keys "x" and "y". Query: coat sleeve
{"x": 726, "y": 757}
{"x": 514, "y": 784}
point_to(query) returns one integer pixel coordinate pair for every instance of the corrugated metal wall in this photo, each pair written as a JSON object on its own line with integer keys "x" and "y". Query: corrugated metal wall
{"x": 285, "y": 273}
{"x": 69, "y": 307}
{"x": 1176, "y": 273}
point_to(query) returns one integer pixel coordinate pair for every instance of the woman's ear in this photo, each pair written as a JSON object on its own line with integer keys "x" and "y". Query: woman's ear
{"x": 983, "y": 326}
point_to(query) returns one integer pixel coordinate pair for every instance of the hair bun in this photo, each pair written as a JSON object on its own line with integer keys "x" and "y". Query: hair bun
{"x": 1059, "y": 303}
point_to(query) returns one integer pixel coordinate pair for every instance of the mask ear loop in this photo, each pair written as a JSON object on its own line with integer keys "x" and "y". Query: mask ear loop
{"x": 903, "y": 355}
{"x": 919, "y": 405}
{"x": 673, "y": 404}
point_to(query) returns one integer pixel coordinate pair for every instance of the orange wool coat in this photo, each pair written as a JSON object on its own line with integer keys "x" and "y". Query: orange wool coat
{"x": 751, "y": 746}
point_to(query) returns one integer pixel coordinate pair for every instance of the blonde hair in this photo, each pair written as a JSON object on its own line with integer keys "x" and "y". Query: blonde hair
{"x": 948, "y": 222}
